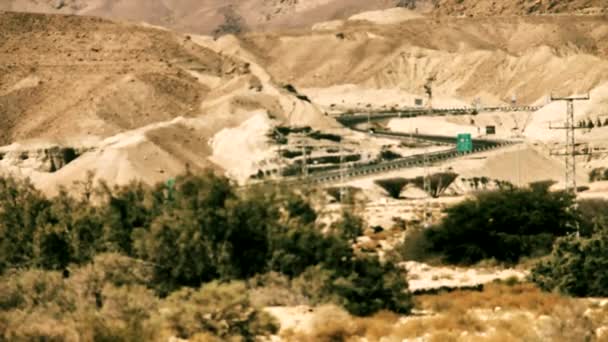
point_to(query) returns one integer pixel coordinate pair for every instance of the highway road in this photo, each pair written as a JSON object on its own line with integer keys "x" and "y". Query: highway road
{"x": 351, "y": 120}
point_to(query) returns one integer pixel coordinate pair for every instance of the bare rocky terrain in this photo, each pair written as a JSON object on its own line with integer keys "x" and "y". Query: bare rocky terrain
{"x": 140, "y": 102}
{"x": 147, "y": 90}
{"x": 206, "y": 16}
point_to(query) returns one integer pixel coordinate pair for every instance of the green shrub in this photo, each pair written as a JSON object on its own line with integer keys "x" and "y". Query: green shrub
{"x": 576, "y": 266}
{"x": 349, "y": 226}
{"x": 20, "y": 206}
{"x": 504, "y": 225}
{"x": 372, "y": 286}
{"x": 414, "y": 247}
{"x": 274, "y": 289}
{"x": 141, "y": 238}
{"x": 593, "y": 215}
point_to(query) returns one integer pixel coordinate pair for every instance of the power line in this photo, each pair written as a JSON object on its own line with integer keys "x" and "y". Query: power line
{"x": 571, "y": 151}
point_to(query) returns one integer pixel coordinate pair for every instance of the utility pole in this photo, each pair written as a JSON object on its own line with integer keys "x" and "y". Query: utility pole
{"x": 304, "y": 162}
{"x": 342, "y": 175}
{"x": 570, "y": 153}
{"x": 427, "y": 188}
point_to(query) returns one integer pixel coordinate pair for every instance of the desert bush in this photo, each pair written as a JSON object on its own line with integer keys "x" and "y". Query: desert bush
{"x": 317, "y": 135}
{"x": 389, "y": 155}
{"x": 349, "y": 226}
{"x": 220, "y": 310}
{"x": 572, "y": 267}
{"x": 296, "y": 249}
{"x": 274, "y": 289}
{"x": 598, "y": 174}
{"x": 21, "y": 206}
{"x": 24, "y": 290}
{"x": 520, "y": 296}
{"x": 372, "y": 286}
{"x": 593, "y": 215}
{"x": 504, "y": 225}
{"x": 331, "y": 323}
{"x": 203, "y": 231}
{"x": 415, "y": 246}
{"x": 314, "y": 284}
{"x": 125, "y": 314}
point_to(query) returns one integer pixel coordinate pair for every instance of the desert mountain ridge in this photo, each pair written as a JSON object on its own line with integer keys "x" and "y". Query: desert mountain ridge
{"x": 207, "y": 17}
{"x": 131, "y": 101}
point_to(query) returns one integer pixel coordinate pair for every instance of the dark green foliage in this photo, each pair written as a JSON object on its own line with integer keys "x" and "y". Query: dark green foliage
{"x": 335, "y": 159}
{"x": 296, "y": 249}
{"x": 593, "y": 215}
{"x": 349, "y": 227}
{"x": 414, "y": 247}
{"x": 389, "y": 155}
{"x": 577, "y": 266}
{"x": 325, "y": 136}
{"x": 372, "y": 286}
{"x": 504, "y": 225}
{"x": 21, "y": 205}
{"x": 291, "y": 154}
{"x": 598, "y": 174}
{"x": 206, "y": 231}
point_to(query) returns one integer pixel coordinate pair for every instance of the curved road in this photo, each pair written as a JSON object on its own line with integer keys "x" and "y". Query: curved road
{"x": 350, "y": 120}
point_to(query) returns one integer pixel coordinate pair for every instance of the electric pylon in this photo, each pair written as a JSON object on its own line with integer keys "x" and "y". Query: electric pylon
{"x": 571, "y": 152}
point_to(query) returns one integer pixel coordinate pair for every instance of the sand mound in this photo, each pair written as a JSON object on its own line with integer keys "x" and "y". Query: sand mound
{"x": 519, "y": 165}
{"x": 389, "y": 16}
{"x": 240, "y": 149}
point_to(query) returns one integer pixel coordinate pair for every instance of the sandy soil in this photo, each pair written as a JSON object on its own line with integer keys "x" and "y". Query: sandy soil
{"x": 425, "y": 277}
{"x": 144, "y": 101}
{"x": 492, "y": 59}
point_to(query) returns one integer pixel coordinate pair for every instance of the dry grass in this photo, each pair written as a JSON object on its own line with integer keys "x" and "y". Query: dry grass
{"x": 499, "y": 313}
{"x": 519, "y": 296}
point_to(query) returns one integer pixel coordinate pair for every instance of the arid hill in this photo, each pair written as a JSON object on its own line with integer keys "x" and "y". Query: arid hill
{"x": 205, "y": 17}
{"x": 516, "y": 7}
{"x": 468, "y": 57}
{"x": 122, "y": 100}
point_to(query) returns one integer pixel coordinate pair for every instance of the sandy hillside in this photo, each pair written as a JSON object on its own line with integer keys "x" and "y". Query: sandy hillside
{"x": 206, "y": 16}
{"x": 131, "y": 101}
{"x": 514, "y": 7}
{"x": 493, "y": 59}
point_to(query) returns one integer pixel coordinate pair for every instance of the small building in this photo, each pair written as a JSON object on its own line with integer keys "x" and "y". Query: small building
{"x": 490, "y": 130}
